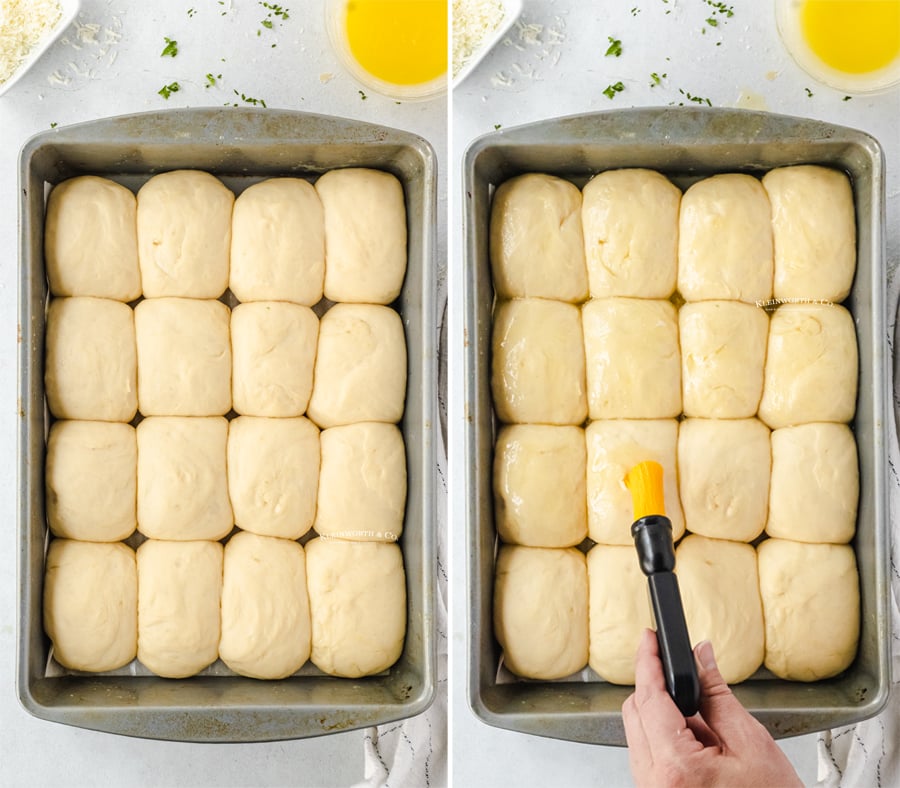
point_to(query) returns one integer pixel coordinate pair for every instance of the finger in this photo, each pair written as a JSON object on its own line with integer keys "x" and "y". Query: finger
{"x": 703, "y": 733}
{"x": 639, "y": 754}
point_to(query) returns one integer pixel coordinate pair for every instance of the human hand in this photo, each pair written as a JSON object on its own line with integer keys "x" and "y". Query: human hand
{"x": 722, "y": 745}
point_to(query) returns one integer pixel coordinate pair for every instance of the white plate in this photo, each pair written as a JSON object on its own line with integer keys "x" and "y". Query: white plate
{"x": 70, "y": 9}
{"x": 512, "y": 9}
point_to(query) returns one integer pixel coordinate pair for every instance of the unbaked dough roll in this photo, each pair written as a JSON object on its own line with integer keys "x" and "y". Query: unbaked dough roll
{"x": 90, "y": 604}
{"x": 538, "y": 362}
{"x": 91, "y": 480}
{"x": 537, "y": 249}
{"x": 811, "y": 366}
{"x": 810, "y": 595}
{"x": 184, "y": 234}
{"x": 360, "y": 372}
{"x": 815, "y": 484}
{"x": 814, "y": 227}
{"x": 357, "y": 602}
{"x": 619, "y": 611}
{"x": 273, "y": 475}
{"x": 720, "y": 589}
{"x": 365, "y": 235}
{"x": 90, "y": 240}
{"x": 630, "y": 222}
{"x": 724, "y": 468}
{"x": 184, "y": 357}
{"x": 613, "y": 448}
{"x": 90, "y": 368}
{"x": 273, "y": 350}
{"x": 541, "y": 610}
{"x": 362, "y": 483}
{"x": 182, "y": 488}
{"x": 278, "y": 243}
{"x": 725, "y": 240}
{"x": 265, "y": 607}
{"x": 633, "y": 359}
{"x": 723, "y": 354}
{"x": 539, "y": 485}
{"x": 179, "y": 595}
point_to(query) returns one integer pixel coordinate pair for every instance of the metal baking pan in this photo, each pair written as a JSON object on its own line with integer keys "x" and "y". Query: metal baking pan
{"x": 240, "y": 146}
{"x": 684, "y": 143}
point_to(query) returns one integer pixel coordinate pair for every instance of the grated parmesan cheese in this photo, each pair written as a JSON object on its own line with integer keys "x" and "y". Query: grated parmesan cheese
{"x": 473, "y": 22}
{"x": 23, "y": 23}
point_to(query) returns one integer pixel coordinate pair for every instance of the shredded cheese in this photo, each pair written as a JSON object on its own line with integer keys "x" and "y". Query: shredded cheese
{"x": 23, "y": 23}
{"x": 473, "y": 22}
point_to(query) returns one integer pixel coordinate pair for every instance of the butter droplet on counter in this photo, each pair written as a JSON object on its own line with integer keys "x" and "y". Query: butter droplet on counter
{"x": 750, "y": 100}
{"x": 326, "y": 77}
{"x": 771, "y": 75}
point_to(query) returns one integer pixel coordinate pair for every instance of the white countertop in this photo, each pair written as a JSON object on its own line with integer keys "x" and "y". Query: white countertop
{"x": 559, "y": 67}
{"x": 120, "y": 74}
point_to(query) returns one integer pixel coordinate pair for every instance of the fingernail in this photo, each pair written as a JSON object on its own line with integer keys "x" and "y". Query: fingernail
{"x": 705, "y": 655}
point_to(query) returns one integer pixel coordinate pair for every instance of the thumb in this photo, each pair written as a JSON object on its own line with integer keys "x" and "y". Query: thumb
{"x": 721, "y": 710}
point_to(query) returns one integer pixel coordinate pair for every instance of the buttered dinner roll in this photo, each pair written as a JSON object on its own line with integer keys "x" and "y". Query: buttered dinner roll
{"x": 538, "y": 362}
{"x": 725, "y": 240}
{"x": 360, "y": 372}
{"x": 619, "y": 611}
{"x": 357, "y": 603}
{"x": 537, "y": 249}
{"x": 723, "y": 354}
{"x": 278, "y": 243}
{"x": 273, "y": 475}
{"x": 90, "y": 240}
{"x": 184, "y": 234}
{"x": 539, "y": 485}
{"x": 815, "y": 484}
{"x": 265, "y": 607}
{"x": 184, "y": 357}
{"x": 541, "y": 610}
{"x": 90, "y": 604}
{"x": 362, "y": 483}
{"x": 810, "y": 595}
{"x": 814, "y": 227}
{"x": 724, "y": 468}
{"x": 720, "y": 591}
{"x": 365, "y": 235}
{"x": 811, "y": 366}
{"x": 633, "y": 360}
{"x": 630, "y": 222}
{"x": 614, "y": 447}
{"x": 182, "y": 488}
{"x": 91, "y": 480}
{"x": 179, "y": 595}
{"x": 90, "y": 368}
{"x": 273, "y": 353}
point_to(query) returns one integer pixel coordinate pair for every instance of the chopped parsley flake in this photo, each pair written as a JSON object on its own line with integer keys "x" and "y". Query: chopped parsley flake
{"x": 635, "y": 11}
{"x": 250, "y": 100}
{"x": 167, "y": 90}
{"x": 712, "y": 21}
{"x": 55, "y": 124}
{"x": 191, "y": 12}
{"x": 846, "y": 98}
{"x": 615, "y": 47}
{"x": 170, "y": 49}
{"x": 211, "y": 80}
{"x": 657, "y": 79}
{"x": 721, "y": 8}
{"x": 611, "y": 90}
{"x": 809, "y": 93}
{"x": 695, "y": 99}
{"x": 267, "y": 23}
{"x": 362, "y": 95}
{"x": 497, "y": 126}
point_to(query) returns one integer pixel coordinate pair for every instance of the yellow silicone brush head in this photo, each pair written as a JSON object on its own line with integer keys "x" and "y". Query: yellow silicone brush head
{"x": 645, "y": 481}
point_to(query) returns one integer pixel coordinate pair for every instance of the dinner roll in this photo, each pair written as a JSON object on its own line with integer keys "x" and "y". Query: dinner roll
{"x": 182, "y": 488}
{"x": 357, "y": 603}
{"x": 273, "y": 475}
{"x": 365, "y": 235}
{"x": 633, "y": 360}
{"x": 541, "y": 610}
{"x": 538, "y": 362}
{"x": 278, "y": 243}
{"x": 810, "y": 595}
{"x": 184, "y": 234}
{"x": 90, "y": 240}
{"x": 720, "y": 589}
{"x": 91, "y": 480}
{"x": 179, "y": 594}
{"x": 811, "y": 366}
{"x": 537, "y": 249}
{"x": 630, "y": 219}
{"x": 184, "y": 357}
{"x": 90, "y": 370}
{"x": 90, "y": 604}
{"x": 265, "y": 607}
{"x": 539, "y": 485}
{"x": 360, "y": 371}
